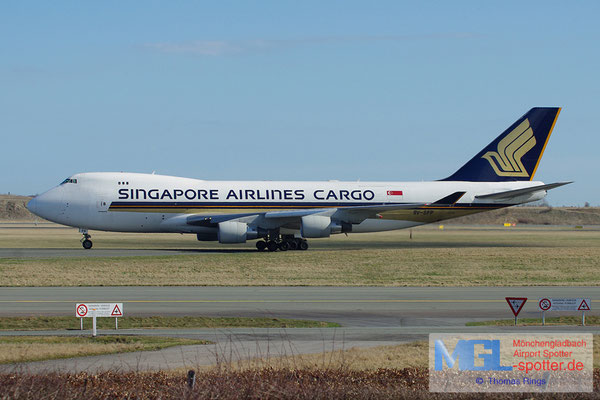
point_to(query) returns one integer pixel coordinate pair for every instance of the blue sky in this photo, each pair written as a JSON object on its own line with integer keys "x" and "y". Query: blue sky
{"x": 284, "y": 90}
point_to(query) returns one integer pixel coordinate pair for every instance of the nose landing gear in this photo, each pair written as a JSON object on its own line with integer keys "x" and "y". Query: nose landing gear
{"x": 85, "y": 240}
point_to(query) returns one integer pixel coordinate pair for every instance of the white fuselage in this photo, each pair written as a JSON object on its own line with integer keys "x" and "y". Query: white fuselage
{"x": 132, "y": 202}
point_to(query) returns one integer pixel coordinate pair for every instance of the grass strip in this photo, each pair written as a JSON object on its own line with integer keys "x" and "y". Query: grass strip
{"x": 36, "y": 348}
{"x": 591, "y": 320}
{"x": 433, "y": 257}
{"x": 70, "y": 323}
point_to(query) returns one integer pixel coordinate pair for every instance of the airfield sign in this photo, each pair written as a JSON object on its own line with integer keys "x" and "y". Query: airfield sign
{"x": 88, "y": 310}
{"x": 516, "y": 305}
{"x": 565, "y": 304}
{"x": 545, "y": 304}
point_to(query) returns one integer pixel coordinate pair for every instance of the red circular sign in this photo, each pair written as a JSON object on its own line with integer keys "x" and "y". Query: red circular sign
{"x": 82, "y": 310}
{"x": 545, "y": 304}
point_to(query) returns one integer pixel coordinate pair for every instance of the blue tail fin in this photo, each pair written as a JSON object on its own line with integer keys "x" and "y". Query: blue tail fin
{"x": 515, "y": 154}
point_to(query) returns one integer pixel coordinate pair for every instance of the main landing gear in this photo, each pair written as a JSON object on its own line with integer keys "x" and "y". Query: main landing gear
{"x": 282, "y": 243}
{"x": 85, "y": 240}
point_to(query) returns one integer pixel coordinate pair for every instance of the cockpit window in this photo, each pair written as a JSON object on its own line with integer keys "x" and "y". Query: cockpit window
{"x": 68, "y": 180}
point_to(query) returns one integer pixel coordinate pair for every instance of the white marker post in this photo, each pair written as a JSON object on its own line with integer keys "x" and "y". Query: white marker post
{"x": 93, "y": 322}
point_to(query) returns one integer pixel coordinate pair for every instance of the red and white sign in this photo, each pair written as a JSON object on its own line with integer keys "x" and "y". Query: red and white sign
{"x": 88, "y": 310}
{"x": 516, "y": 304}
{"x": 81, "y": 310}
{"x": 394, "y": 192}
{"x": 116, "y": 312}
{"x": 583, "y": 306}
{"x": 565, "y": 304}
{"x": 545, "y": 304}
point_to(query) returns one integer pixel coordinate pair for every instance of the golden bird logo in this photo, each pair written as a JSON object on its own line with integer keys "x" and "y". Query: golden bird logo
{"x": 507, "y": 160}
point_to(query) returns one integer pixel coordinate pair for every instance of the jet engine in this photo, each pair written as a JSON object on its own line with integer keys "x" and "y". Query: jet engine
{"x": 236, "y": 232}
{"x": 318, "y": 226}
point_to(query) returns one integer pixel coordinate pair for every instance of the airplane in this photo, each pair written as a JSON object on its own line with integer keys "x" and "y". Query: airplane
{"x": 282, "y": 215}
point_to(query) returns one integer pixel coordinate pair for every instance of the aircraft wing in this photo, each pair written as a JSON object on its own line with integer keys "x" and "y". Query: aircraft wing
{"x": 352, "y": 214}
{"x": 519, "y": 192}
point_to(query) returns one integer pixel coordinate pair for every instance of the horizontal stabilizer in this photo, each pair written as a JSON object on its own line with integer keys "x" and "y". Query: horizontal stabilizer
{"x": 450, "y": 199}
{"x": 519, "y": 192}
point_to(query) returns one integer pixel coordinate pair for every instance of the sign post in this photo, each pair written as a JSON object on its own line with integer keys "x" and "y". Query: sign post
{"x": 545, "y": 305}
{"x": 583, "y": 307}
{"x": 93, "y": 322}
{"x": 564, "y": 304}
{"x": 516, "y": 305}
{"x": 95, "y": 310}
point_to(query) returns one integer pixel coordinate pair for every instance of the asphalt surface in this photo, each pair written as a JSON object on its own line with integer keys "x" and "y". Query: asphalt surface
{"x": 369, "y": 316}
{"x": 104, "y": 253}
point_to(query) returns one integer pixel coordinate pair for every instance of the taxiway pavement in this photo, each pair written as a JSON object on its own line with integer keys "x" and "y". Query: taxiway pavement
{"x": 369, "y": 316}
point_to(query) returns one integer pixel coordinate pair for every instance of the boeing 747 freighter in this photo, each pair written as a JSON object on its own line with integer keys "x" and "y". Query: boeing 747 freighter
{"x": 282, "y": 215}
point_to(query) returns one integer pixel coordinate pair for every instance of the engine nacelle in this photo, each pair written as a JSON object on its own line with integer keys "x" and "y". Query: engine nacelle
{"x": 237, "y": 232}
{"x": 318, "y": 226}
{"x": 232, "y": 232}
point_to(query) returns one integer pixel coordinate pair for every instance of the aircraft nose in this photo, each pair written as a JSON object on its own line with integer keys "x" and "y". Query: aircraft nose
{"x": 47, "y": 205}
{"x": 32, "y": 205}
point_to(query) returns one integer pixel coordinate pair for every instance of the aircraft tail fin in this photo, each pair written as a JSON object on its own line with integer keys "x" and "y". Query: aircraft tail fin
{"x": 516, "y": 153}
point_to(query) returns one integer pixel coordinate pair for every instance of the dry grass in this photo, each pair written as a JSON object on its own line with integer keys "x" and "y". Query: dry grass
{"x": 407, "y": 383}
{"x": 407, "y": 355}
{"x": 452, "y": 257}
{"x": 34, "y": 348}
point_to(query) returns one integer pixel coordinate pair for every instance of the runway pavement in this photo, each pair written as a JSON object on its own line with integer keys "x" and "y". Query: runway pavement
{"x": 103, "y": 253}
{"x": 349, "y": 306}
{"x": 369, "y": 316}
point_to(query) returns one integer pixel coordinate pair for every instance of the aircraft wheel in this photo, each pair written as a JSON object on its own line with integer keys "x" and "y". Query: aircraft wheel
{"x": 272, "y": 245}
{"x": 261, "y": 245}
{"x": 303, "y": 245}
{"x": 293, "y": 245}
{"x": 87, "y": 244}
{"x": 284, "y": 246}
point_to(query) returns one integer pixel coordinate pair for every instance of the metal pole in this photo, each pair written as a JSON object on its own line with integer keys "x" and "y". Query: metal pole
{"x": 116, "y": 323}
{"x": 94, "y": 324}
{"x": 81, "y": 324}
{"x": 191, "y": 378}
{"x": 583, "y": 318}
{"x": 543, "y": 318}
{"x": 515, "y": 320}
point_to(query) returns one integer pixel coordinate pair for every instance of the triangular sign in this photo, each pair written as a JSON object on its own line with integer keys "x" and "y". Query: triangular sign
{"x": 583, "y": 306}
{"x": 116, "y": 311}
{"x": 516, "y": 304}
